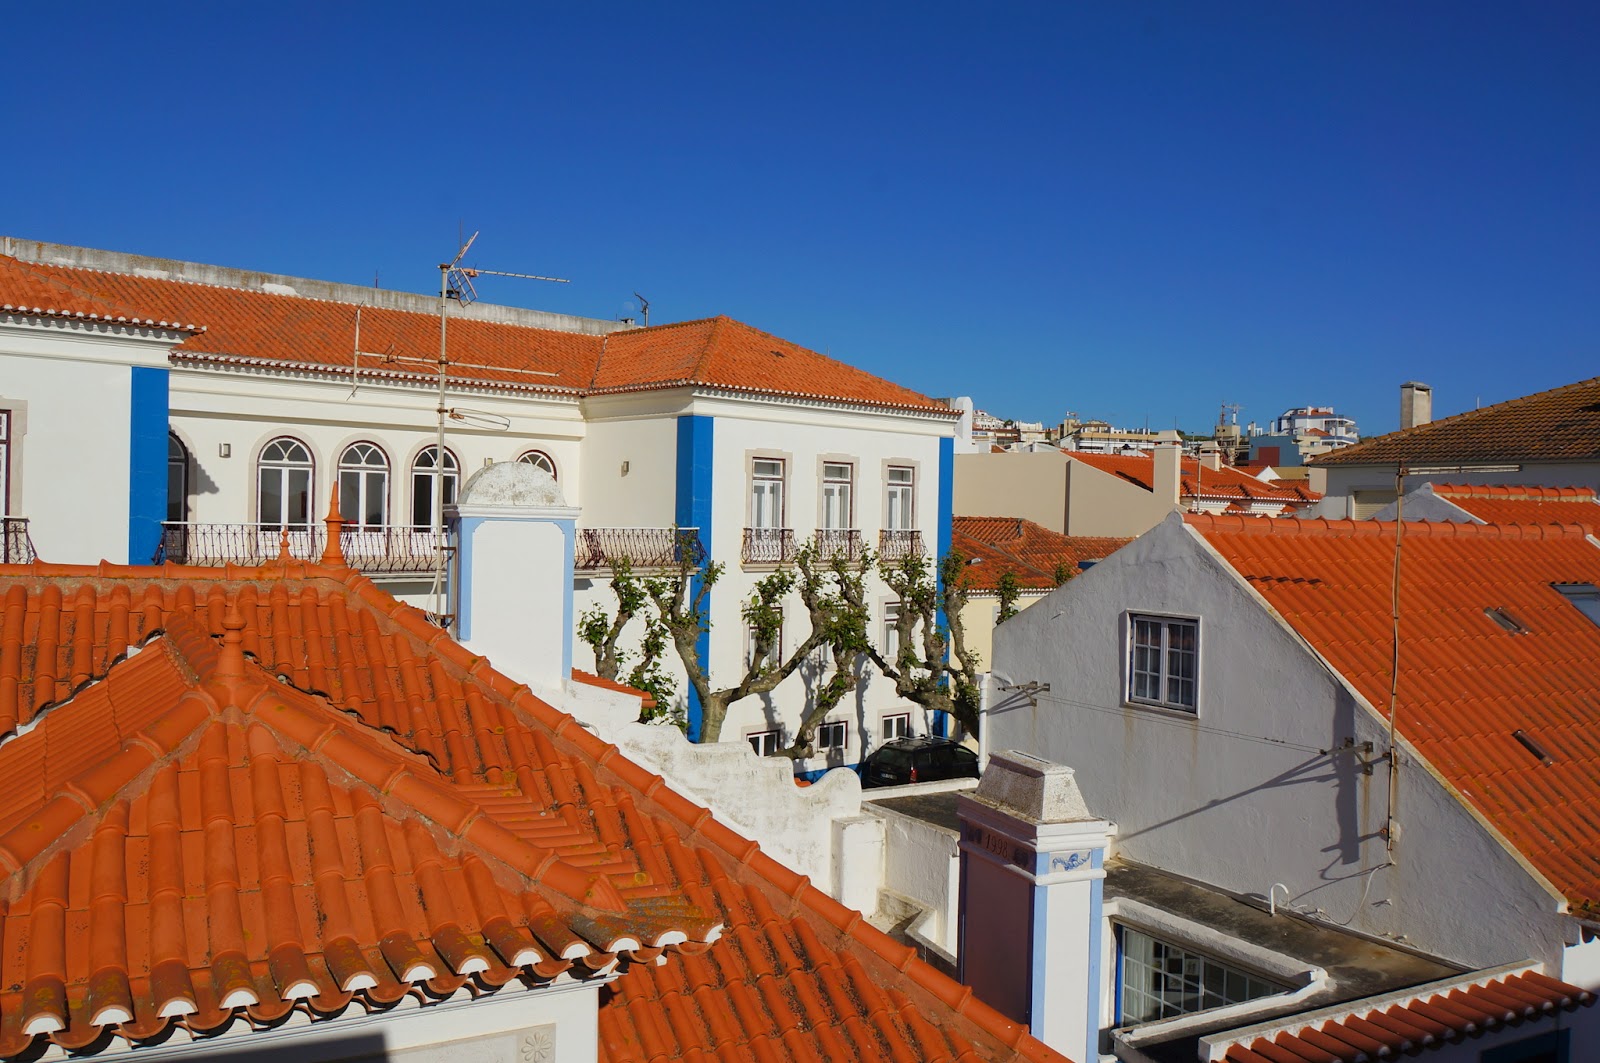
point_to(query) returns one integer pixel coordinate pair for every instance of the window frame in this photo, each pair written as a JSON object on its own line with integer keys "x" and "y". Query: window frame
{"x": 759, "y": 738}
{"x": 782, "y": 482}
{"x": 890, "y": 489}
{"x": 826, "y": 483}
{"x": 841, "y": 728}
{"x": 178, "y": 463}
{"x": 6, "y": 422}
{"x": 364, "y": 472}
{"x": 904, "y": 731}
{"x": 284, "y": 466}
{"x": 1160, "y": 996}
{"x": 890, "y": 631}
{"x": 549, "y": 466}
{"x": 419, "y": 475}
{"x": 1164, "y": 676}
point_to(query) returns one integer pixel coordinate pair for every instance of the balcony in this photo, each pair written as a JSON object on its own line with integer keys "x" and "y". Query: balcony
{"x": 893, "y": 545}
{"x": 15, "y": 546}
{"x": 375, "y": 551}
{"x": 642, "y": 548}
{"x": 768, "y": 546}
{"x": 839, "y": 544}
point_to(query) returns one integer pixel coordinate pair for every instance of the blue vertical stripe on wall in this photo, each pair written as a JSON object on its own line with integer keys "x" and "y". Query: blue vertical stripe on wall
{"x": 947, "y": 502}
{"x": 1097, "y": 858}
{"x": 694, "y": 511}
{"x": 147, "y": 462}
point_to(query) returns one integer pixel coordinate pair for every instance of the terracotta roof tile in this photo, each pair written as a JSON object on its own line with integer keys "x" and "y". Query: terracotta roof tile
{"x": 1428, "y": 1020}
{"x": 1524, "y": 504}
{"x": 1467, "y": 685}
{"x": 297, "y": 794}
{"x": 271, "y": 328}
{"x": 1562, "y": 424}
{"x": 1031, "y": 552}
{"x": 31, "y": 290}
{"x": 1196, "y": 480}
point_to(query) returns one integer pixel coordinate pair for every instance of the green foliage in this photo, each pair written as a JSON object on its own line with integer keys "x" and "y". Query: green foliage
{"x": 1063, "y": 572}
{"x": 1009, "y": 590}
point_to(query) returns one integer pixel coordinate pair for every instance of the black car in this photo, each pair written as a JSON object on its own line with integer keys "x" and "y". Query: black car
{"x": 908, "y": 760}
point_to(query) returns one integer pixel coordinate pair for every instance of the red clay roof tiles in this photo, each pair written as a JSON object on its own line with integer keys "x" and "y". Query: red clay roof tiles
{"x": 1430, "y": 1020}
{"x": 285, "y": 329}
{"x": 1562, "y": 424}
{"x": 297, "y": 794}
{"x": 1522, "y": 504}
{"x": 1196, "y": 481}
{"x": 1031, "y": 552}
{"x": 1466, "y": 684}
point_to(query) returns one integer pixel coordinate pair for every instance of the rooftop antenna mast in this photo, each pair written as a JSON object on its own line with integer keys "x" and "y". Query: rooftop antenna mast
{"x": 455, "y": 282}
{"x": 644, "y": 308}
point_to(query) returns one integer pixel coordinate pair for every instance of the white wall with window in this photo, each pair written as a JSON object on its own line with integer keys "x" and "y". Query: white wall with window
{"x": 838, "y": 478}
{"x": 285, "y": 484}
{"x": 1239, "y": 793}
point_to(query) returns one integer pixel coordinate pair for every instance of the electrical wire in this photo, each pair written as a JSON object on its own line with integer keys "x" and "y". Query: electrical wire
{"x": 1187, "y": 724}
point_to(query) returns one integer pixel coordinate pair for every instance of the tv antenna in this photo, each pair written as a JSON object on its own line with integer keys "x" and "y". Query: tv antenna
{"x": 644, "y": 308}
{"x": 455, "y": 283}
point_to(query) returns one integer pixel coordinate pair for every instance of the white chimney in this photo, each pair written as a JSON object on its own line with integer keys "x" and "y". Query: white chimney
{"x": 1032, "y": 867}
{"x": 1416, "y": 404}
{"x": 1210, "y": 455}
{"x": 1167, "y": 475}
{"x": 513, "y": 574}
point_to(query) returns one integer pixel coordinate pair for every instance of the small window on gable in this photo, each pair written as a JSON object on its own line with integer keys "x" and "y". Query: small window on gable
{"x": 1585, "y": 597}
{"x": 1164, "y": 662}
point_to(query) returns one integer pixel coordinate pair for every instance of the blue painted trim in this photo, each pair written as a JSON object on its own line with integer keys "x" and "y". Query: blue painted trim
{"x": 148, "y": 415}
{"x": 693, "y": 510}
{"x": 944, "y": 518}
{"x": 813, "y": 776}
{"x": 1116, "y": 990}
{"x": 1096, "y": 920}
{"x": 466, "y": 528}
{"x": 1038, "y": 959}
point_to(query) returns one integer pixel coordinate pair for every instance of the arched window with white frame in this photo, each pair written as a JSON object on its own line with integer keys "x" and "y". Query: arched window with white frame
{"x": 426, "y": 474}
{"x": 540, "y": 460}
{"x": 364, "y": 486}
{"x": 177, "y": 479}
{"x": 284, "y": 484}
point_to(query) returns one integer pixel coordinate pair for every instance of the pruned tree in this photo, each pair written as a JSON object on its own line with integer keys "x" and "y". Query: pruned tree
{"x": 602, "y": 630}
{"x": 834, "y": 594}
{"x": 1009, "y": 590}
{"x": 681, "y": 605}
{"x": 929, "y": 668}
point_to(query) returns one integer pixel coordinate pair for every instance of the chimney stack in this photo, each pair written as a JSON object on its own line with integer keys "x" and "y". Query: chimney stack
{"x": 1211, "y": 455}
{"x": 1032, "y": 864}
{"x": 1416, "y": 404}
{"x": 1168, "y": 472}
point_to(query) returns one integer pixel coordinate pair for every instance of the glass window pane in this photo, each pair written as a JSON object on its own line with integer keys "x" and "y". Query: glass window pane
{"x": 270, "y": 510}
{"x": 298, "y": 496}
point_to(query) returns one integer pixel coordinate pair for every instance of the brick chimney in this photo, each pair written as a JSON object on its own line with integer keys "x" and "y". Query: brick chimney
{"x": 1167, "y": 477}
{"x": 1416, "y": 404}
{"x": 1032, "y": 857}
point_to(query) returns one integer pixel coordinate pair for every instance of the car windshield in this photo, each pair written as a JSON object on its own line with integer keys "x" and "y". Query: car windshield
{"x": 890, "y": 757}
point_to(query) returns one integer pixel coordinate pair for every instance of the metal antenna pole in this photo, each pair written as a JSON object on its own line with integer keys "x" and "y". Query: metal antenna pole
{"x": 438, "y": 443}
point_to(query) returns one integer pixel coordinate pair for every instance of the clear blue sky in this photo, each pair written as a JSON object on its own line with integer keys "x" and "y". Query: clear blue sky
{"x": 1131, "y": 210}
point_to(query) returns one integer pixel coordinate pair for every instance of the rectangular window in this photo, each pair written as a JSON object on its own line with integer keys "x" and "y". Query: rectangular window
{"x": 833, "y": 735}
{"x": 765, "y": 743}
{"x": 897, "y": 726}
{"x": 1161, "y": 980}
{"x": 891, "y": 631}
{"x": 766, "y": 493}
{"x": 837, "y": 480}
{"x": 1163, "y": 662}
{"x": 775, "y": 656}
{"x": 898, "y": 509}
{"x": 5, "y": 462}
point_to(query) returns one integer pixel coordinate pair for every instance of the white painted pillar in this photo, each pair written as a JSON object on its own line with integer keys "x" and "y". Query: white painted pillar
{"x": 515, "y": 538}
{"x": 1032, "y": 866}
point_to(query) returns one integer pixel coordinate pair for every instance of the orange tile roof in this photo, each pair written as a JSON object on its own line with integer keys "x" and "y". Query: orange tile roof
{"x": 1029, "y": 551}
{"x": 1523, "y": 504}
{"x": 1429, "y": 1020}
{"x": 31, "y": 292}
{"x": 299, "y": 795}
{"x": 1562, "y": 424}
{"x": 268, "y": 328}
{"x": 1467, "y": 686}
{"x": 1196, "y": 481}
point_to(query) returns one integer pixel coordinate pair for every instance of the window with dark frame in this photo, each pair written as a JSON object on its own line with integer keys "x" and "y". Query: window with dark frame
{"x": 1164, "y": 662}
{"x": 364, "y": 486}
{"x": 897, "y": 726}
{"x": 835, "y": 734}
{"x": 765, "y": 743}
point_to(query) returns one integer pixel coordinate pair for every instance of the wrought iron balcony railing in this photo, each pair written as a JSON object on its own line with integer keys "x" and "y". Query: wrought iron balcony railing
{"x": 643, "y": 548}
{"x": 893, "y": 545}
{"x": 15, "y": 546}
{"x": 838, "y": 544}
{"x": 768, "y": 546}
{"x": 386, "y": 551}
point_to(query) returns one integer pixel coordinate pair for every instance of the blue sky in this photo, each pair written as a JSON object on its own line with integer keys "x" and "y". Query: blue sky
{"x": 1130, "y": 210}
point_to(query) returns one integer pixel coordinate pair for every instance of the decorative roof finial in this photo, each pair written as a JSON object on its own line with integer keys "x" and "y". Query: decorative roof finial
{"x": 284, "y": 557}
{"x": 231, "y": 663}
{"x": 333, "y": 552}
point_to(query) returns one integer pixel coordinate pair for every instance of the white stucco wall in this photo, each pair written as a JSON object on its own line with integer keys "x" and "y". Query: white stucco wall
{"x": 68, "y": 385}
{"x": 1241, "y": 797}
{"x": 641, "y": 431}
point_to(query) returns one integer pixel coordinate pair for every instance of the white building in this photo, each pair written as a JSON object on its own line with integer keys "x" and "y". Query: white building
{"x": 153, "y": 408}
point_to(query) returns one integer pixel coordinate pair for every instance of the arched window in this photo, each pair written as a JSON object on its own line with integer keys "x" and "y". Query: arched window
{"x": 364, "y": 486}
{"x": 177, "y": 479}
{"x": 283, "y": 484}
{"x": 423, "y": 478}
{"x": 540, "y": 460}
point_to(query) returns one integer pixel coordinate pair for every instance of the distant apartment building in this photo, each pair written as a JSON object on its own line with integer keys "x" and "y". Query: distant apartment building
{"x": 1302, "y": 433}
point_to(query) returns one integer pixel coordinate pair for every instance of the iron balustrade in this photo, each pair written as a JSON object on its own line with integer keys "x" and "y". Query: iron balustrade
{"x": 893, "y": 545}
{"x": 768, "y": 546}
{"x": 15, "y": 546}
{"x": 642, "y": 548}
{"x": 385, "y": 551}
{"x": 838, "y": 544}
